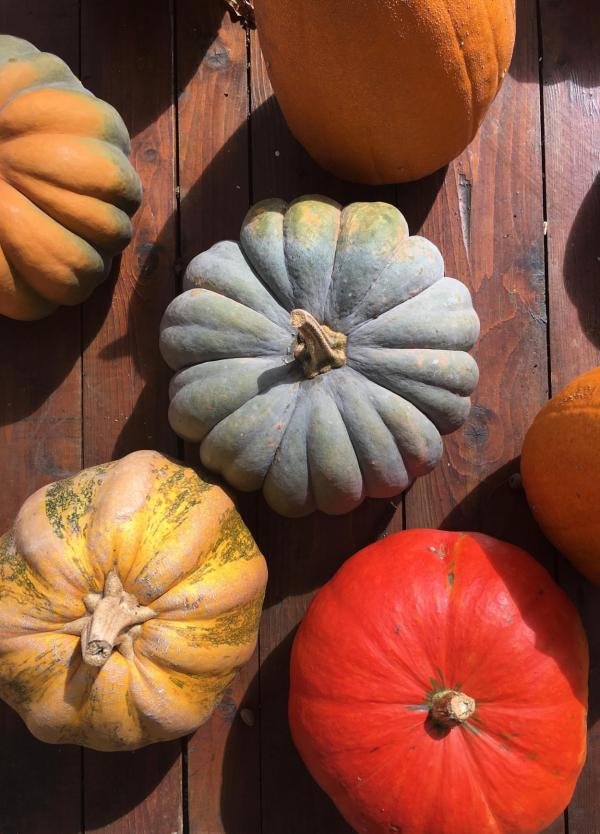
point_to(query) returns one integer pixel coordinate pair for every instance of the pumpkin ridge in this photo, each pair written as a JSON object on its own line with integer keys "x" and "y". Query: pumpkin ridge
{"x": 412, "y": 398}
{"x": 293, "y": 274}
{"x": 86, "y": 276}
{"x": 469, "y": 742}
{"x": 41, "y": 85}
{"x": 331, "y": 313}
{"x": 288, "y": 416}
{"x": 122, "y": 173}
{"x": 373, "y": 285}
{"x": 340, "y": 406}
{"x": 103, "y": 247}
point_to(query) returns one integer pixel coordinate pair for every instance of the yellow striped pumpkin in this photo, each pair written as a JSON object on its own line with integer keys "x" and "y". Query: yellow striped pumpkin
{"x": 130, "y": 595}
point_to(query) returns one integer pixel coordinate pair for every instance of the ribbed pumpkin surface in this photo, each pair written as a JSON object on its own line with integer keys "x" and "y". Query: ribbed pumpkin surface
{"x": 403, "y": 623}
{"x": 322, "y": 356}
{"x": 385, "y": 90}
{"x": 175, "y": 543}
{"x": 67, "y": 189}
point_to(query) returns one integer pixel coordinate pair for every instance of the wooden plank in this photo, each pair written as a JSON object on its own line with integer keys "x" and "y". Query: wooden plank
{"x": 127, "y": 59}
{"x": 302, "y": 554}
{"x": 40, "y": 433}
{"x": 571, "y": 96}
{"x": 223, "y": 755}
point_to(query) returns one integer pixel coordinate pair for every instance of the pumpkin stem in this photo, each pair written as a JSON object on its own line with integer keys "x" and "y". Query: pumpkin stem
{"x": 450, "y": 707}
{"x": 318, "y": 348}
{"x": 111, "y": 615}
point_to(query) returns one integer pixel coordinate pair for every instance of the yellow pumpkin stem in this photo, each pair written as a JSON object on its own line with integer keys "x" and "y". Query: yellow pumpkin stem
{"x": 112, "y": 617}
{"x": 319, "y": 348}
{"x": 450, "y": 708}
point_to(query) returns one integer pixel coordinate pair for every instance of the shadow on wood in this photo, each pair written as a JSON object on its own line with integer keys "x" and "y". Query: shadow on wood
{"x": 304, "y": 553}
{"x": 581, "y": 265}
{"x": 570, "y": 33}
{"x": 42, "y": 353}
{"x": 294, "y": 800}
{"x": 123, "y": 781}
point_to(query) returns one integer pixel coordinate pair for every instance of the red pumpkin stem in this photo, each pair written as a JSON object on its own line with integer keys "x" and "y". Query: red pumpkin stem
{"x": 450, "y": 707}
{"x": 318, "y": 348}
{"x": 111, "y": 615}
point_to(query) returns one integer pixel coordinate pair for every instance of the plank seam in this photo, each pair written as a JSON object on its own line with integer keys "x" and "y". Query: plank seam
{"x": 258, "y": 644}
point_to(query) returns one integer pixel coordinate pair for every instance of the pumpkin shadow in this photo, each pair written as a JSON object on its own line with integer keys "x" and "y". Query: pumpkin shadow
{"x": 581, "y": 265}
{"x": 140, "y": 33}
{"x": 42, "y": 354}
{"x": 113, "y": 783}
{"x": 295, "y": 801}
{"x": 304, "y": 553}
{"x": 570, "y": 32}
{"x": 116, "y": 783}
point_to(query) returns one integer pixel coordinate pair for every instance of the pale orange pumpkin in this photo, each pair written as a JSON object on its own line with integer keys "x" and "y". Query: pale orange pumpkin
{"x": 560, "y": 466}
{"x": 130, "y": 595}
{"x": 67, "y": 189}
{"x": 385, "y": 90}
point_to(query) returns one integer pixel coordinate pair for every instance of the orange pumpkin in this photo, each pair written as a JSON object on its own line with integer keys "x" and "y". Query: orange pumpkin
{"x": 67, "y": 189}
{"x": 130, "y": 595}
{"x": 560, "y": 466}
{"x": 383, "y": 91}
{"x": 439, "y": 686}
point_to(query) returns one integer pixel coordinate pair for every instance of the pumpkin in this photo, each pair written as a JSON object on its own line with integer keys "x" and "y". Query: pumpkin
{"x": 67, "y": 189}
{"x": 321, "y": 356}
{"x": 439, "y": 686}
{"x": 383, "y": 91}
{"x": 130, "y": 595}
{"x": 560, "y": 467}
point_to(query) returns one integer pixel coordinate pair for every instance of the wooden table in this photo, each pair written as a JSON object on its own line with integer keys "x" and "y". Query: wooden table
{"x": 88, "y": 384}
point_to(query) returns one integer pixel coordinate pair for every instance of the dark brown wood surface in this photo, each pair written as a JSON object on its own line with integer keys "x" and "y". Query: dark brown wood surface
{"x": 88, "y": 384}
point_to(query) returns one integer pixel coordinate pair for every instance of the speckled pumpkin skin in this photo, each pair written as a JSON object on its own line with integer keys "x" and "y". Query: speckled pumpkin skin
{"x": 365, "y": 429}
{"x": 179, "y": 546}
{"x": 384, "y": 91}
{"x": 560, "y": 466}
{"x": 67, "y": 189}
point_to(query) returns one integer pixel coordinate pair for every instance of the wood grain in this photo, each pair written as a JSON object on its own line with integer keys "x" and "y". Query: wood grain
{"x": 127, "y": 59}
{"x": 40, "y": 435}
{"x": 571, "y": 100}
{"x": 223, "y": 765}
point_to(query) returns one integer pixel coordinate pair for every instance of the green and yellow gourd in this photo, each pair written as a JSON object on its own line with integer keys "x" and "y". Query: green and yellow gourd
{"x": 322, "y": 356}
{"x": 67, "y": 189}
{"x": 130, "y": 595}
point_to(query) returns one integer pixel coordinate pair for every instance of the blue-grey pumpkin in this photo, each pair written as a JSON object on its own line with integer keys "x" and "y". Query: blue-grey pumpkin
{"x": 322, "y": 356}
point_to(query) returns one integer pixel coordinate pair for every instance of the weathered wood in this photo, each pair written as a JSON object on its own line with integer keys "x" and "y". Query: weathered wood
{"x": 40, "y": 435}
{"x": 223, "y": 764}
{"x": 127, "y": 59}
{"x": 571, "y": 98}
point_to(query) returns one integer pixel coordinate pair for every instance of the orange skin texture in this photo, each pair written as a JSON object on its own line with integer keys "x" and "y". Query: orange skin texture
{"x": 423, "y": 611}
{"x": 383, "y": 91}
{"x": 179, "y": 546}
{"x": 67, "y": 188}
{"x": 560, "y": 466}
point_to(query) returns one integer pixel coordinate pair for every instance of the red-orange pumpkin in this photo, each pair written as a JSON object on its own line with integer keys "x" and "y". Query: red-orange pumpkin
{"x": 439, "y": 686}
